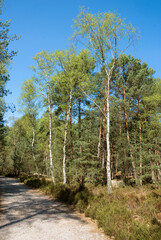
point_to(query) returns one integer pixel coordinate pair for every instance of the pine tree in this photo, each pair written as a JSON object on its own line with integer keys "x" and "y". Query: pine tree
{"x": 5, "y": 58}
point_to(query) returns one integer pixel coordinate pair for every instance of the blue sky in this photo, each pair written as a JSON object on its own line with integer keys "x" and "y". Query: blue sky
{"x": 47, "y": 24}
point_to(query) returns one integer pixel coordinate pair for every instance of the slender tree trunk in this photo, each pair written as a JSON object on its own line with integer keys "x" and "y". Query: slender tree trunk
{"x": 99, "y": 143}
{"x": 120, "y": 137}
{"x": 140, "y": 140}
{"x": 50, "y": 140}
{"x": 157, "y": 160}
{"x": 152, "y": 169}
{"x": 153, "y": 173}
{"x": 112, "y": 161}
{"x": 33, "y": 152}
{"x": 103, "y": 160}
{"x": 104, "y": 136}
{"x": 116, "y": 164}
{"x": 79, "y": 136}
{"x": 79, "y": 125}
{"x": 108, "y": 163}
{"x": 71, "y": 135}
{"x": 64, "y": 152}
{"x": 159, "y": 171}
{"x": 128, "y": 137}
{"x": 108, "y": 167}
{"x": 46, "y": 165}
{"x": 65, "y": 139}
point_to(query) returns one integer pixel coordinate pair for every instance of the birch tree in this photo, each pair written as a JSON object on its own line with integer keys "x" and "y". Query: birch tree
{"x": 63, "y": 59}
{"x": 29, "y": 106}
{"x": 46, "y": 83}
{"x": 75, "y": 71}
{"x": 103, "y": 34}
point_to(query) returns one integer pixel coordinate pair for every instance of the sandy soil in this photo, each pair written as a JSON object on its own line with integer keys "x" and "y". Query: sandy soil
{"x": 29, "y": 215}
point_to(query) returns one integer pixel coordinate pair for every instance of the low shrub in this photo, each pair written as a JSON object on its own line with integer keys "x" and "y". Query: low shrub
{"x": 82, "y": 198}
{"x": 33, "y": 182}
{"x": 22, "y": 178}
{"x": 138, "y": 231}
{"x": 112, "y": 217}
{"x": 62, "y": 192}
{"x": 127, "y": 214}
{"x": 48, "y": 188}
{"x": 155, "y": 231}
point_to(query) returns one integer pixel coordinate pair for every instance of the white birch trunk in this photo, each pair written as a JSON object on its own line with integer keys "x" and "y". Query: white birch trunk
{"x": 99, "y": 144}
{"x": 33, "y": 153}
{"x": 65, "y": 139}
{"x": 108, "y": 164}
{"x": 50, "y": 141}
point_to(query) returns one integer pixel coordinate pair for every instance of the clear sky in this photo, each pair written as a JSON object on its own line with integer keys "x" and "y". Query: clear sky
{"x": 47, "y": 24}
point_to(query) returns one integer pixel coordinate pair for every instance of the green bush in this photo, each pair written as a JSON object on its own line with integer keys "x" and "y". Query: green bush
{"x": 92, "y": 210}
{"x": 81, "y": 199}
{"x": 62, "y": 192}
{"x": 48, "y": 188}
{"x": 33, "y": 182}
{"x": 22, "y": 178}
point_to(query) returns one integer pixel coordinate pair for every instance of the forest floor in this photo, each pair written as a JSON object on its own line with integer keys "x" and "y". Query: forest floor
{"x": 28, "y": 214}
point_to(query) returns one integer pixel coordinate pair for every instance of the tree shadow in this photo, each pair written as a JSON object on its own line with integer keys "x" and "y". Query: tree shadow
{"x": 20, "y": 204}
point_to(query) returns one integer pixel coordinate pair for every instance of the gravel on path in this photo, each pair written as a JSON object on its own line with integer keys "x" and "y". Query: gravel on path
{"x": 29, "y": 215}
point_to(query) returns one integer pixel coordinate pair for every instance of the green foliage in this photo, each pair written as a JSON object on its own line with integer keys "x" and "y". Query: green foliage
{"x": 28, "y": 100}
{"x": 98, "y": 32}
{"x": 5, "y": 59}
{"x": 73, "y": 114}
{"x": 33, "y": 182}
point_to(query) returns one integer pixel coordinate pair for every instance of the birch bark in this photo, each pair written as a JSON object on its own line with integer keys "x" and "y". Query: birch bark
{"x": 108, "y": 164}
{"x": 50, "y": 139}
{"x": 65, "y": 139}
{"x": 33, "y": 152}
{"x": 99, "y": 143}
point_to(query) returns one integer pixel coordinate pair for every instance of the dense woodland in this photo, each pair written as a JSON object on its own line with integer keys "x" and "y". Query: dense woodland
{"x": 89, "y": 116}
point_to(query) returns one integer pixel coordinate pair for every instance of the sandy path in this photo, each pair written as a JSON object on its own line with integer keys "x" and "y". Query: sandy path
{"x": 29, "y": 215}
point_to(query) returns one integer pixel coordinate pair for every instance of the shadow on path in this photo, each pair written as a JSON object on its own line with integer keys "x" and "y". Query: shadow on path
{"x": 20, "y": 204}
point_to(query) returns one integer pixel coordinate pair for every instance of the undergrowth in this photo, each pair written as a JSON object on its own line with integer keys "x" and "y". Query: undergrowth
{"x": 127, "y": 214}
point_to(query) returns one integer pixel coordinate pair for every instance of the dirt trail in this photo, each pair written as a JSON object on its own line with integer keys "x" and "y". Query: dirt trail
{"x": 29, "y": 215}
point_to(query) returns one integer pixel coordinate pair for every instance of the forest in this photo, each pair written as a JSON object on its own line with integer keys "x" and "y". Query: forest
{"x": 88, "y": 116}
{"x": 91, "y": 120}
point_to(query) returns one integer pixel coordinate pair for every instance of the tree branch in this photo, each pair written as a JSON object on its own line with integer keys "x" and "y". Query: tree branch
{"x": 93, "y": 102}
